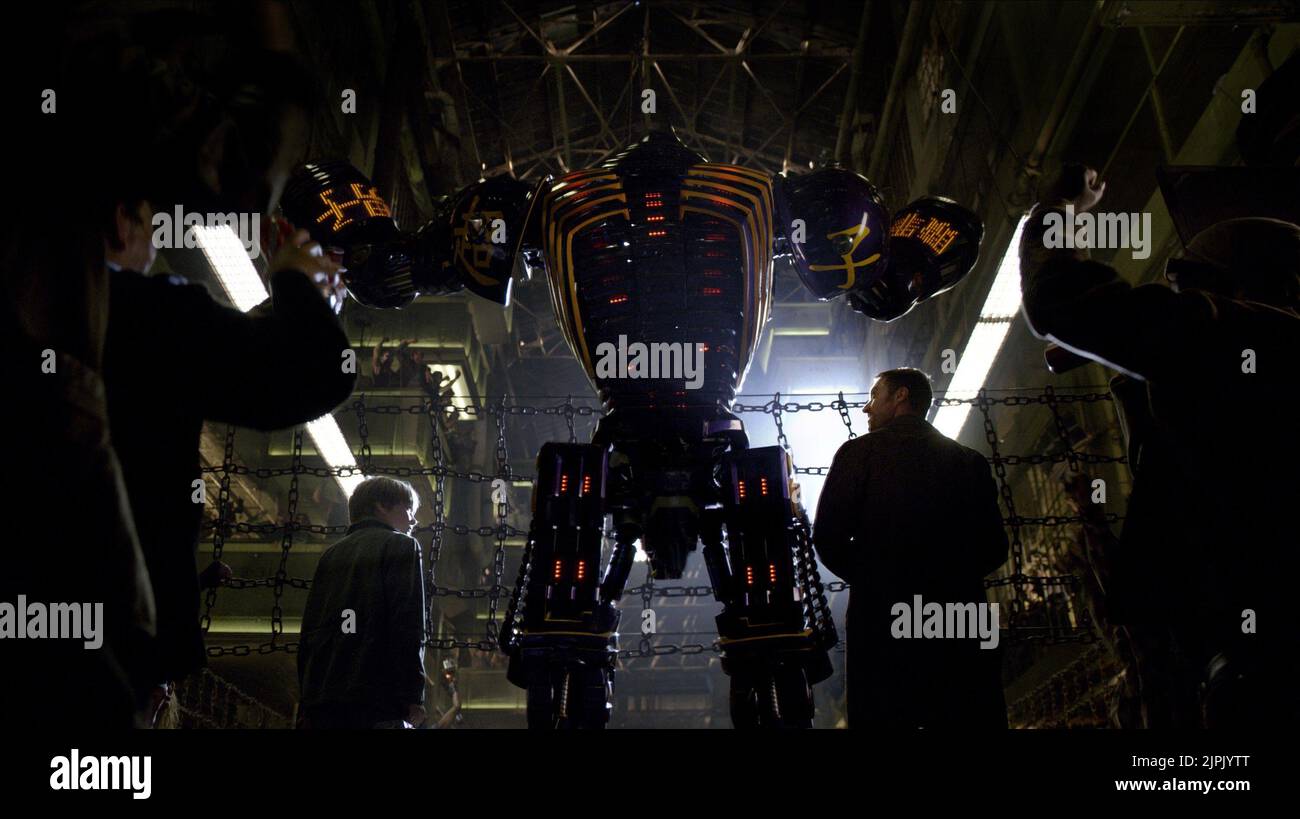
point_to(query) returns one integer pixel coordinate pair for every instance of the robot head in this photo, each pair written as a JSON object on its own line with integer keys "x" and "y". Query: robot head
{"x": 341, "y": 208}
{"x": 933, "y": 243}
{"x": 937, "y": 241}
{"x": 837, "y": 229}
{"x": 486, "y": 226}
{"x": 660, "y": 151}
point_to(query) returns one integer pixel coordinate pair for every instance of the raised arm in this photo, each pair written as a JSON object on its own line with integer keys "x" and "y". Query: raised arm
{"x": 280, "y": 364}
{"x": 1086, "y": 307}
{"x": 377, "y": 357}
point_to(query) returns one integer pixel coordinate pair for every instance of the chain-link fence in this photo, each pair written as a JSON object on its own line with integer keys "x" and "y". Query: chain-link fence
{"x": 206, "y": 700}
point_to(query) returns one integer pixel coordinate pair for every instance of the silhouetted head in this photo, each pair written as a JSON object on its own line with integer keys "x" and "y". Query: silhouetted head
{"x": 1254, "y": 258}
{"x": 898, "y": 392}
{"x": 388, "y": 500}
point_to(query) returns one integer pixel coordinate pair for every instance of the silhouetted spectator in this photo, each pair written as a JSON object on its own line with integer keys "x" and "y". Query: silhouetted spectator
{"x": 213, "y": 138}
{"x": 384, "y": 363}
{"x": 411, "y": 369}
{"x": 1207, "y": 551}
{"x": 53, "y": 320}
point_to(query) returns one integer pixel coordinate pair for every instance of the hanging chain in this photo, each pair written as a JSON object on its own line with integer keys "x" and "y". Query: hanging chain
{"x": 843, "y": 409}
{"x": 221, "y": 530}
{"x": 1061, "y": 429}
{"x": 286, "y": 542}
{"x": 439, "y": 514}
{"x": 518, "y": 600}
{"x": 647, "y": 590}
{"x": 1004, "y": 487}
{"x": 502, "y": 509}
{"x": 569, "y": 411}
{"x": 776, "y": 410}
{"x": 363, "y": 429}
{"x": 816, "y": 608}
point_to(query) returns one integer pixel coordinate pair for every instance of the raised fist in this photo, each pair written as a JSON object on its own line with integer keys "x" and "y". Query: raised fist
{"x": 300, "y": 253}
{"x": 1075, "y": 185}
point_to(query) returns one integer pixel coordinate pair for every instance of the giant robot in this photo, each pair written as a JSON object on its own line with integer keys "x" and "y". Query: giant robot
{"x": 662, "y": 247}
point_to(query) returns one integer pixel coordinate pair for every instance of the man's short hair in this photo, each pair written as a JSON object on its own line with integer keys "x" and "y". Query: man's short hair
{"x": 382, "y": 491}
{"x": 920, "y": 395}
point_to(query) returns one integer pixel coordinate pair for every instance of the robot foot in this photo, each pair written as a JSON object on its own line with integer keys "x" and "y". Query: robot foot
{"x": 779, "y": 697}
{"x": 569, "y": 680}
{"x": 570, "y": 695}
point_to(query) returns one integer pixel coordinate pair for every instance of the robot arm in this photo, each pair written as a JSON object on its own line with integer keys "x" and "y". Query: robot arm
{"x": 471, "y": 243}
{"x": 843, "y": 242}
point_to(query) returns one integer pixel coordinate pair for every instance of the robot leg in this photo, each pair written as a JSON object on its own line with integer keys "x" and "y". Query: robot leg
{"x": 774, "y": 635}
{"x": 559, "y": 633}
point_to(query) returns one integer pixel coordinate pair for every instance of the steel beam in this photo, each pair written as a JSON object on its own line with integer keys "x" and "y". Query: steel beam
{"x": 850, "y": 110}
{"x": 902, "y": 69}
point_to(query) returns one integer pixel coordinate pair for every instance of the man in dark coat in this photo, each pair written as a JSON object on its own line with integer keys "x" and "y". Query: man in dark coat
{"x": 1207, "y": 553}
{"x": 174, "y": 121}
{"x": 904, "y": 512}
{"x": 361, "y": 657}
{"x": 176, "y": 357}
